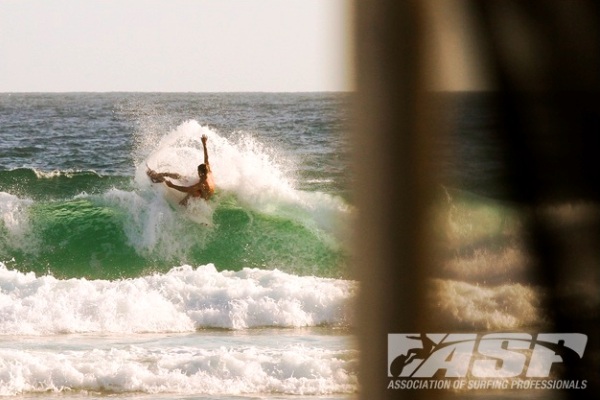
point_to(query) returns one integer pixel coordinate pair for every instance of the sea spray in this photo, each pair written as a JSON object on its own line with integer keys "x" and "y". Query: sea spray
{"x": 152, "y": 227}
{"x": 257, "y": 175}
{"x": 15, "y": 228}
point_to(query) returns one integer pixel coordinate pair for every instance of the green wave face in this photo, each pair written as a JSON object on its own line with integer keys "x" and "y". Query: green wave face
{"x": 80, "y": 239}
{"x": 83, "y": 225}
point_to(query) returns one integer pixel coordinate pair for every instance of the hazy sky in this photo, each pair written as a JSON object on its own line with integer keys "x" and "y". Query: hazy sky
{"x": 173, "y": 45}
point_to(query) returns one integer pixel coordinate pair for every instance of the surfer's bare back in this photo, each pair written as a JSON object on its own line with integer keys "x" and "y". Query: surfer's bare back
{"x": 203, "y": 189}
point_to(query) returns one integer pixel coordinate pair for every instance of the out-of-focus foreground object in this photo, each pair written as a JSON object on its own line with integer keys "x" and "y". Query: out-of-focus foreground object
{"x": 541, "y": 61}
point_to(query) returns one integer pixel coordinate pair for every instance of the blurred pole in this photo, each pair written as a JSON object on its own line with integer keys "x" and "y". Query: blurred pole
{"x": 391, "y": 184}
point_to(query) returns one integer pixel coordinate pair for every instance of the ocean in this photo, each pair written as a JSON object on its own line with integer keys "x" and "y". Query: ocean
{"x": 109, "y": 288}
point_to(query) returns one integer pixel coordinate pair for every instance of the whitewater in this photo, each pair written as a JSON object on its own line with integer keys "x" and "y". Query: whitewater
{"x": 185, "y": 299}
{"x": 189, "y": 331}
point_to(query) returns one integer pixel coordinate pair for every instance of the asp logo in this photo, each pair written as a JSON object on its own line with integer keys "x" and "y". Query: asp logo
{"x": 494, "y": 355}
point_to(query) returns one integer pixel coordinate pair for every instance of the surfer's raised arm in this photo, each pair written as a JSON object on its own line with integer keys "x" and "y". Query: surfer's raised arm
{"x": 204, "y": 139}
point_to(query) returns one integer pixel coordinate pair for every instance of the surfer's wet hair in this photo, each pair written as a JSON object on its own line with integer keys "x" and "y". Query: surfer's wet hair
{"x": 202, "y": 169}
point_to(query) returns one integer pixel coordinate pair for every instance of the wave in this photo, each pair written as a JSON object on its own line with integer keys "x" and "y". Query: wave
{"x": 47, "y": 185}
{"x": 482, "y": 280}
{"x": 295, "y": 370}
{"x": 82, "y": 224}
{"x": 485, "y": 276}
{"x": 464, "y": 305}
{"x": 123, "y": 233}
{"x": 184, "y": 299}
{"x": 260, "y": 177}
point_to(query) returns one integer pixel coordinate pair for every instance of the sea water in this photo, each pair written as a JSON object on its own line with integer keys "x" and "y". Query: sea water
{"x": 109, "y": 288}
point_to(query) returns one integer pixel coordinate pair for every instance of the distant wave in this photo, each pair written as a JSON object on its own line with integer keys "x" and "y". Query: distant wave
{"x": 35, "y": 184}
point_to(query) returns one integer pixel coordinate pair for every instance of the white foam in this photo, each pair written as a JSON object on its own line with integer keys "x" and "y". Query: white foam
{"x": 489, "y": 265}
{"x": 68, "y": 173}
{"x": 257, "y": 175}
{"x": 507, "y": 306}
{"x": 294, "y": 370}
{"x": 152, "y": 227}
{"x": 182, "y": 300}
{"x": 14, "y": 220}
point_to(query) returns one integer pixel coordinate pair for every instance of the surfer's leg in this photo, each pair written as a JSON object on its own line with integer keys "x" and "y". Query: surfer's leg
{"x": 159, "y": 177}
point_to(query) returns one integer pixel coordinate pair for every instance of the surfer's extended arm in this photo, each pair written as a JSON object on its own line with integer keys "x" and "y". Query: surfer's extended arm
{"x": 204, "y": 139}
{"x": 190, "y": 190}
{"x": 184, "y": 189}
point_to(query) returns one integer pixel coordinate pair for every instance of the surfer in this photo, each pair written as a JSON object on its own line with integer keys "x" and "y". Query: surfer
{"x": 204, "y": 189}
